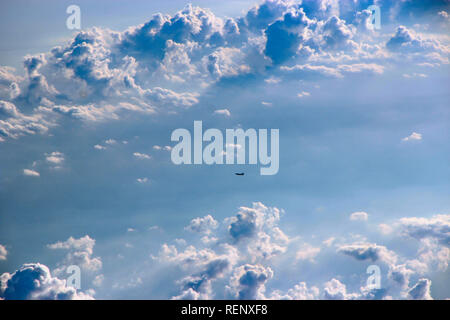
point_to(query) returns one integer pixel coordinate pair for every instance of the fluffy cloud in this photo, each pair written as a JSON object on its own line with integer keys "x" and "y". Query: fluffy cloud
{"x": 336, "y": 290}
{"x": 14, "y": 123}
{"x": 436, "y": 227}
{"x": 285, "y": 35}
{"x": 368, "y": 251}
{"x": 33, "y": 281}
{"x": 251, "y": 236}
{"x": 299, "y": 292}
{"x": 79, "y": 253}
{"x": 248, "y": 221}
{"x": 408, "y": 43}
{"x": 203, "y": 225}
{"x": 248, "y": 282}
{"x": 206, "y": 265}
{"x": 240, "y": 258}
{"x": 166, "y": 63}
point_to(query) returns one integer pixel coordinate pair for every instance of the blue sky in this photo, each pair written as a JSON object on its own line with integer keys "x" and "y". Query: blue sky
{"x": 86, "y": 177}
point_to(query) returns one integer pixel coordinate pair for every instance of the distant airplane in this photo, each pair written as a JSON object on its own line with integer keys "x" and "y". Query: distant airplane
{"x": 239, "y": 173}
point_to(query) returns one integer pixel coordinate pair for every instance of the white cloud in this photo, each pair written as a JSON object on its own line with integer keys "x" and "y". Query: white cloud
{"x": 142, "y": 180}
{"x": 421, "y": 290}
{"x": 303, "y": 94}
{"x": 299, "y": 292}
{"x": 336, "y": 290}
{"x": 165, "y": 148}
{"x": 101, "y": 74}
{"x": 244, "y": 258}
{"x": 413, "y": 137}
{"x": 3, "y": 252}
{"x": 79, "y": 253}
{"x": 272, "y": 80}
{"x": 31, "y": 173}
{"x": 203, "y": 225}
{"x": 308, "y": 252}
{"x": 224, "y": 112}
{"x": 110, "y": 141}
{"x": 55, "y": 157}
{"x": 248, "y": 282}
{"x": 359, "y": 216}
{"x": 141, "y": 156}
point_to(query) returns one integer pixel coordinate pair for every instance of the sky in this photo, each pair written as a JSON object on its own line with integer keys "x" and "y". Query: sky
{"x": 86, "y": 177}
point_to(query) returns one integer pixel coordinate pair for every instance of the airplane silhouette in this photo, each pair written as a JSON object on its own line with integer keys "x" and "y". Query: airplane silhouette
{"x": 239, "y": 173}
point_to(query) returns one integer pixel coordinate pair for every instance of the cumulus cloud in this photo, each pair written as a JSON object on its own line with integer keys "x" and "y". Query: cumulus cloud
{"x": 252, "y": 237}
{"x": 248, "y": 282}
{"x": 437, "y": 227}
{"x": 166, "y": 63}
{"x": 300, "y": 291}
{"x": 408, "y": 43}
{"x": 285, "y": 35}
{"x": 33, "y": 281}
{"x": 368, "y": 251}
{"x": 15, "y": 123}
{"x": 237, "y": 253}
{"x": 204, "y": 225}
{"x": 336, "y": 290}
{"x": 79, "y": 252}
{"x": 206, "y": 264}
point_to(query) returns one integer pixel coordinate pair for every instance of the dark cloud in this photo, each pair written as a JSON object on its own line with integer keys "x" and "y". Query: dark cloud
{"x": 368, "y": 251}
{"x": 33, "y": 281}
{"x": 248, "y": 281}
